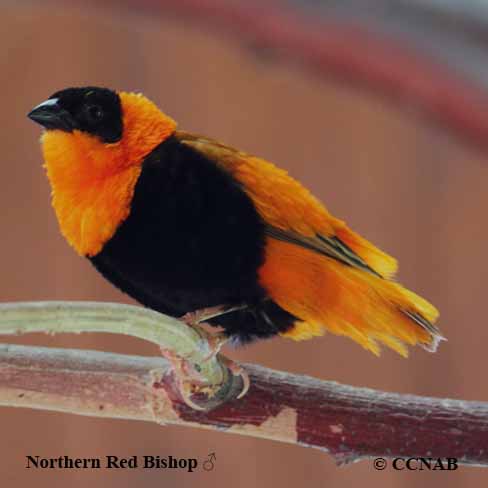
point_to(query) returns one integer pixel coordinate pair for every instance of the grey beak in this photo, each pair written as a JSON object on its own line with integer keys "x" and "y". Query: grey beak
{"x": 51, "y": 115}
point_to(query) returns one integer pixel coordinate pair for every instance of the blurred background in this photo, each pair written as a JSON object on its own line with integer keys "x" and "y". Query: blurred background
{"x": 380, "y": 107}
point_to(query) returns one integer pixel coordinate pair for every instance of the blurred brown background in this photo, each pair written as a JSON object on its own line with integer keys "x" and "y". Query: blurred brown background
{"x": 413, "y": 190}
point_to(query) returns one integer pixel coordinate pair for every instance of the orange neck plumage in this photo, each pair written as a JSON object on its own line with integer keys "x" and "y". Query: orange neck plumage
{"x": 92, "y": 181}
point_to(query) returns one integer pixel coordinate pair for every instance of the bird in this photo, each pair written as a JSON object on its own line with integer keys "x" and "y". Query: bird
{"x": 196, "y": 229}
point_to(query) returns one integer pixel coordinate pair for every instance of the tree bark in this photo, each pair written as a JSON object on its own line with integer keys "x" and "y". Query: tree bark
{"x": 348, "y": 422}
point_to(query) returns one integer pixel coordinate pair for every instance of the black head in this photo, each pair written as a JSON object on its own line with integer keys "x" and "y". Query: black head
{"x": 89, "y": 109}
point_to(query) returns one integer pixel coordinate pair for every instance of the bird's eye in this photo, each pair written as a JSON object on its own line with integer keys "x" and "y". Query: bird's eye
{"x": 94, "y": 113}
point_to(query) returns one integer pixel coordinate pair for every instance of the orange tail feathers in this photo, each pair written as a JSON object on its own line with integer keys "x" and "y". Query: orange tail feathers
{"x": 381, "y": 262}
{"x": 329, "y": 296}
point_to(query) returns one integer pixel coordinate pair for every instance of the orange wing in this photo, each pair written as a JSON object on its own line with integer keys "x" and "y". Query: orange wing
{"x": 320, "y": 270}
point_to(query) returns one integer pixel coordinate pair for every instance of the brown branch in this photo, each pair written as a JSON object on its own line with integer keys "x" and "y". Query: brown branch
{"x": 348, "y": 422}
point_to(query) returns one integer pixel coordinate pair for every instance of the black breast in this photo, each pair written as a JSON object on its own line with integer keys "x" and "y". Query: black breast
{"x": 193, "y": 239}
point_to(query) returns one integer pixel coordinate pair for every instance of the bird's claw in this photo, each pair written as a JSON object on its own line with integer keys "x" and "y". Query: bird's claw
{"x": 189, "y": 379}
{"x": 191, "y": 382}
{"x": 238, "y": 370}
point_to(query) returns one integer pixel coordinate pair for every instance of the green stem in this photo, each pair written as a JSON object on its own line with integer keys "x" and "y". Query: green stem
{"x": 76, "y": 317}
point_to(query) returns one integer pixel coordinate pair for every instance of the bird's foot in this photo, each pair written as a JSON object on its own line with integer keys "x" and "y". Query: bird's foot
{"x": 188, "y": 377}
{"x": 215, "y": 344}
{"x": 191, "y": 382}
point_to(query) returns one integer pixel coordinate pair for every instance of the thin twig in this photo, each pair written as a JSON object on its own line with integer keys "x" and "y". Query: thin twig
{"x": 350, "y": 423}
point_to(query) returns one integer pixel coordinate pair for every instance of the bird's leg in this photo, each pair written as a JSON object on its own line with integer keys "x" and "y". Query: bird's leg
{"x": 215, "y": 341}
{"x": 203, "y": 314}
{"x": 218, "y": 340}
